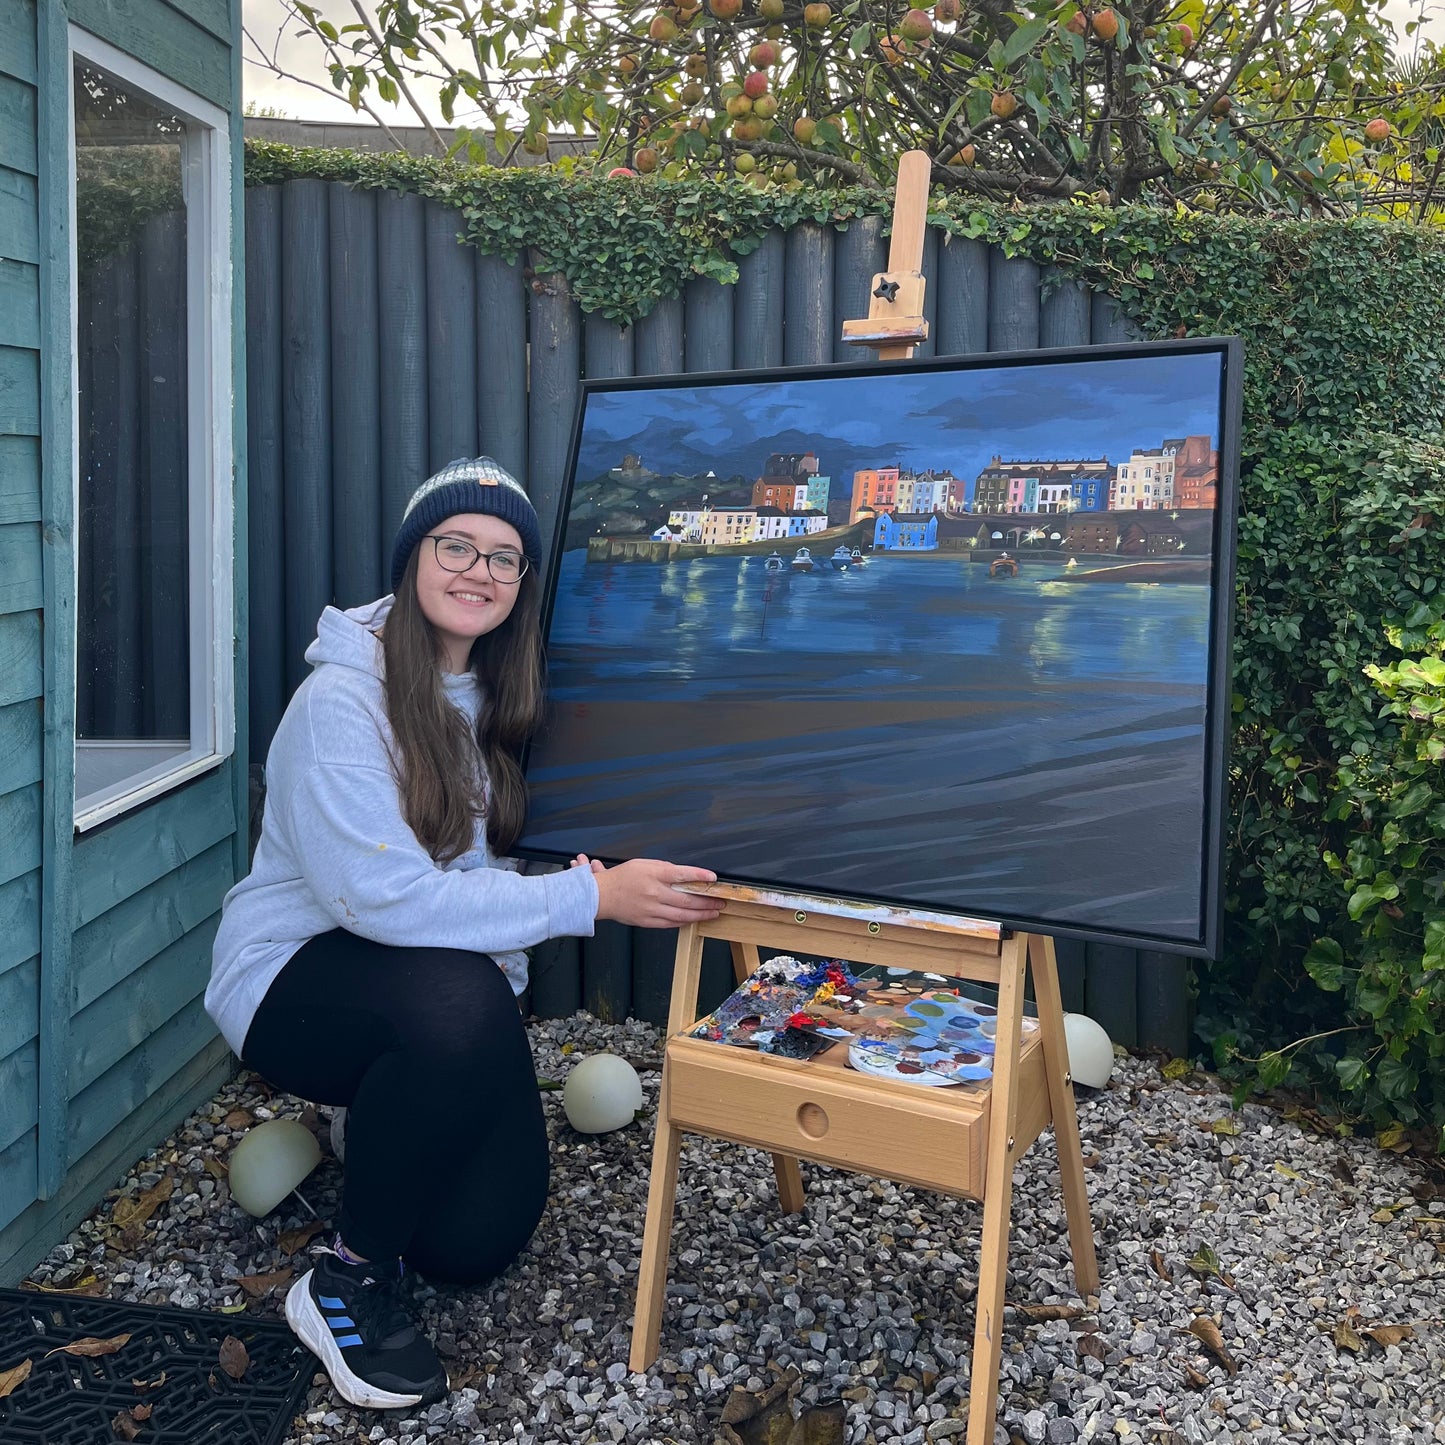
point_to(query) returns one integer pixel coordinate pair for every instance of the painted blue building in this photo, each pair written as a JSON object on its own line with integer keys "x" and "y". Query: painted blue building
{"x": 122, "y": 781}
{"x": 1090, "y": 493}
{"x": 906, "y": 532}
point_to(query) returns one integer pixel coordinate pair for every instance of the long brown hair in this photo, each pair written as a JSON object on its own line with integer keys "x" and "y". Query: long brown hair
{"x": 434, "y": 752}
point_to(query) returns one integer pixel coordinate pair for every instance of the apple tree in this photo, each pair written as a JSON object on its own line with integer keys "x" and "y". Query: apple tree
{"x": 1278, "y": 106}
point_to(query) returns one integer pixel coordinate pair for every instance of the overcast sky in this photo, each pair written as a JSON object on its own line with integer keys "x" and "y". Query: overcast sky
{"x": 263, "y": 17}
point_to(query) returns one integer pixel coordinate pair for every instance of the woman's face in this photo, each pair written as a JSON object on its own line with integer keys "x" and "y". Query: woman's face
{"x": 465, "y": 605}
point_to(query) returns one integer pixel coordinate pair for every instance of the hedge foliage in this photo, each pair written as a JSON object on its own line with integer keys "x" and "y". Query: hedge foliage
{"x": 1333, "y": 969}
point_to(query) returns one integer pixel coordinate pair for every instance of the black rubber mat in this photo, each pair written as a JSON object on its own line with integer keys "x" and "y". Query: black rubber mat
{"x": 73, "y": 1400}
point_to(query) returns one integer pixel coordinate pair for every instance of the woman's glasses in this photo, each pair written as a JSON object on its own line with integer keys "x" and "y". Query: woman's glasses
{"x": 454, "y": 555}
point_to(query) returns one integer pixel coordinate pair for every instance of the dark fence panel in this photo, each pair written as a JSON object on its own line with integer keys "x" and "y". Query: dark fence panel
{"x": 356, "y": 398}
{"x": 380, "y": 347}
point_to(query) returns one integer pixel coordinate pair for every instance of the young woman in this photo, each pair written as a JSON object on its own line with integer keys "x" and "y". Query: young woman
{"x": 372, "y": 956}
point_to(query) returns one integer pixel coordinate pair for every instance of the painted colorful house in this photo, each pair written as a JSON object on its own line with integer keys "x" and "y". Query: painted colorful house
{"x": 906, "y": 531}
{"x": 875, "y": 488}
{"x": 722, "y": 526}
{"x": 123, "y": 786}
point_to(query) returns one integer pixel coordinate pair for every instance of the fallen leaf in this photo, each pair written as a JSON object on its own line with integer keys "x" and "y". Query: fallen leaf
{"x": 1158, "y": 1265}
{"x": 1225, "y": 1126}
{"x": 293, "y": 1239}
{"x": 741, "y": 1405}
{"x": 236, "y": 1119}
{"x": 90, "y": 1347}
{"x": 1195, "y": 1379}
{"x": 129, "y": 1213}
{"x": 1383, "y": 1216}
{"x": 1051, "y": 1312}
{"x": 238, "y": 1308}
{"x": 124, "y": 1426}
{"x": 1205, "y": 1262}
{"x": 1395, "y": 1138}
{"x": 1091, "y": 1161}
{"x": 215, "y": 1168}
{"x": 1091, "y": 1344}
{"x": 1345, "y": 1337}
{"x": 87, "y": 1285}
{"x": 141, "y": 1412}
{"x": 233, "y": 1357}
{"x": 155, "y": 1384}
{"x": 1387, "y": 1335}
{"x": 1177, "y": 1069}
{"x": 1285, "y": 1170}
{"x": 11, "y": 1380}
{"x": 1207, "y": 1333}
{"x": 260, "y": 1285}
{"x": 1342, "y": 1171}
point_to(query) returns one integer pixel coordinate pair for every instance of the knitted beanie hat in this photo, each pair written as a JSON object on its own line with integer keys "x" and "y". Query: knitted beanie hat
{"x": 469, "y": 484}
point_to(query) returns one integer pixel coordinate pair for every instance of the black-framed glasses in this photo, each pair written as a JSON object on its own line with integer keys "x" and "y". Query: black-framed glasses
{"x": 454, "y": 555}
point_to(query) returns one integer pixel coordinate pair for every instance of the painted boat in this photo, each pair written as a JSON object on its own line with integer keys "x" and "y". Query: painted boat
{"x": 841, "y": 559}
{"x": 857, "y": 558}
{"x": 802, "y": 560}
{"x": 1003, "y": 567}
{"x": 774, "y": 563}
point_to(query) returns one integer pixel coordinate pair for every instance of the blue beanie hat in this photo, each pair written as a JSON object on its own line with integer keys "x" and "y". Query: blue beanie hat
{"x": 469, "y": 484}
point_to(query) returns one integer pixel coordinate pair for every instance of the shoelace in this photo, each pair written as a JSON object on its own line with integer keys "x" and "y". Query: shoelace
{"x": 377, "y": 1307}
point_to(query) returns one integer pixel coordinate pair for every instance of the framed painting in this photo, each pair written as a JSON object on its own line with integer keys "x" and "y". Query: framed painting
{"x": 950, "y": 635}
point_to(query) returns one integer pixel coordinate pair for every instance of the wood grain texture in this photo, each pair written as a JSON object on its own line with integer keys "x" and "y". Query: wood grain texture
{"x": 19, "y": 1092}
{"x": 19, "y": 920}
{"x": 32, "y": 1229}
{"x": 140, "y": 1006}
{"x": 20, "y": 829}
{"x": 660, "y": 348}
{"x": 361, "y": 557}
{"x": 108, "y": 949}
{"x": 265, "y": 467}
{"x": 166, "y": 38}
{"x": 502, "y": 362}
{"x": 20, "y": 1004}
{"x": 117, "y": 862}
{"x": 20, "y": 758}
{"x": 758, "y": 305}
{"x": 20, "y": 657}
{"x": 17, "y": 40}
{"x": 707, "y": 325}
{"x": 963, "y": 292}
{"x": 19, "y": 308}
{"x": 19, "y": 216}
{"x": 18, "y": 125}
{"x": 19, "y": 390}
{"x": 451, "y": 346}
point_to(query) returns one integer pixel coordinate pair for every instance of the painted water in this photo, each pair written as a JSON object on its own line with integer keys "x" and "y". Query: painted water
{"x": 1027, "y": 748}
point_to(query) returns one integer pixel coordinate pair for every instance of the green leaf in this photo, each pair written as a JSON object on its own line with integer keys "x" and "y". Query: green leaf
{"x": 1024, "y": 39}
{"x": 860, "y": 40}
{"x": 1324, "y": 961}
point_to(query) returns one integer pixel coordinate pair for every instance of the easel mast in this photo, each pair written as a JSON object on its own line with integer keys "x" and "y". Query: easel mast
{"x": 966, "y": 1142}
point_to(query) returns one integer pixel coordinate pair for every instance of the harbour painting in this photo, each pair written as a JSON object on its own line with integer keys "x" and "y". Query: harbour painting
{"x": 945, "y": 635}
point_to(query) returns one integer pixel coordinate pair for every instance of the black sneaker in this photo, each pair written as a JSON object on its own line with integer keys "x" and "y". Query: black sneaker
{"x": 351, "y": 1317}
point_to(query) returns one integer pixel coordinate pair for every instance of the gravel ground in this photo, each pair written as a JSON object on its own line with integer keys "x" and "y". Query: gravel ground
{"x": 1295, "y": 1244}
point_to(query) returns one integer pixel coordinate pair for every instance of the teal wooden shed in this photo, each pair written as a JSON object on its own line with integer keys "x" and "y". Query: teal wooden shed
{"x": 122, "y": 780}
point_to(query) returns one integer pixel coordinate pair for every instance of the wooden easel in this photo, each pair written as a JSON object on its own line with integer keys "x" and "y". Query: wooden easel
{"x": 962, "y": 1141}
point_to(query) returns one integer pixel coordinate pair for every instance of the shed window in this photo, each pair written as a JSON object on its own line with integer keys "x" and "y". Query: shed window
{"x": 151, "y": 302}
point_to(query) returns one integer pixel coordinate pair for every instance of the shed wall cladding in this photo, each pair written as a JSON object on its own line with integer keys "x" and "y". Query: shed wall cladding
{"x": 104, "y": 1043}
{"x": 379, "y": 347}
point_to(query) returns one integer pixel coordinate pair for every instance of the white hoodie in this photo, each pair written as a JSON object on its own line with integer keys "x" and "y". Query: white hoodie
{"x": 335, "y": 852}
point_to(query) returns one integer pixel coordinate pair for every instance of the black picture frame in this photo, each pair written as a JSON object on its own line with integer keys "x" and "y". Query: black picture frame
{"x": 540, "y": 840}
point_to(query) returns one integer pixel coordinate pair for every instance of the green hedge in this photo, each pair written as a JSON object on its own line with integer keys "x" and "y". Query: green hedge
{"x": 1331, "y": 975}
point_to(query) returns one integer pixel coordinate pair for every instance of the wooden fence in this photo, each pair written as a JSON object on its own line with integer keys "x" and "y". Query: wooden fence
{"x": 379, "y": 348}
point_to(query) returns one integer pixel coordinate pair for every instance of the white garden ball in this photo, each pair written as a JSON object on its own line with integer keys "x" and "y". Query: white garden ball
{"x": 1091, "y": 1055}
{"x": 269, "y": 1162}
{"x": 602, "y": 1093}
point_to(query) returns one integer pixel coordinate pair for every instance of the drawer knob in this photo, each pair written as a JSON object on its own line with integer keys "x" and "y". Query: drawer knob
{"x": 813, "y": 1120}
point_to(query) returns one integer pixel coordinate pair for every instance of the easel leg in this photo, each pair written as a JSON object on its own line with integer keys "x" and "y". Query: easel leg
{"x": 1061, "y": 1106}
{"x": 785, "y": 1167}
{"x": 666, "y": 1145}
{"x": 656, "y": 1239}
{"x": 997, "y": 1196}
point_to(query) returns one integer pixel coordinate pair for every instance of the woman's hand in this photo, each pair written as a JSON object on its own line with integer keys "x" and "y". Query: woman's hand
{"x": 642, "y": 892}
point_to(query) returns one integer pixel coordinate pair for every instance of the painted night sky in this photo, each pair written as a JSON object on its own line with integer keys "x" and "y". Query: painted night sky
{"x": 956, "y": 419}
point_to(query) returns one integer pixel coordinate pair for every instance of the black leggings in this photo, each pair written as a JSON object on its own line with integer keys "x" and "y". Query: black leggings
{"x": 446, "y": 1147}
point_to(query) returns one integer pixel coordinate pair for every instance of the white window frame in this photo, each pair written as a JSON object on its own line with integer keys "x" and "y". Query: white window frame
{"x": 206, "y": 182}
